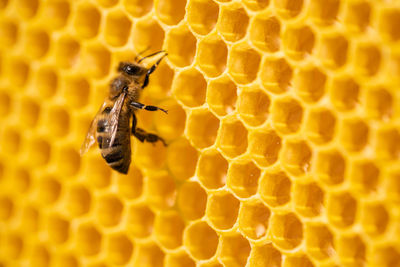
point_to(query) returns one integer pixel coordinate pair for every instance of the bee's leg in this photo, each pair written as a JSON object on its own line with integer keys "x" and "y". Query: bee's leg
{"x": 145, "y": 107}
{"x": 142, "y": 135}
{"x": 151, "y": 70}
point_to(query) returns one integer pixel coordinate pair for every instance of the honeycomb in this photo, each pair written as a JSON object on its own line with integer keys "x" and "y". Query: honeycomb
{"x": 283, "y": 133}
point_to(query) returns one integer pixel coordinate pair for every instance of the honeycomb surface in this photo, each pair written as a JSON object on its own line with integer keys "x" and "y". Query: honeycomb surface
{"x": 283, "y": 132}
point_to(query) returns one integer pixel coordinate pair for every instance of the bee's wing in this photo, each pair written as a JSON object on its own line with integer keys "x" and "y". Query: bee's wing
{"x": 90, "y": 136}
{"x": 116, "y": 110}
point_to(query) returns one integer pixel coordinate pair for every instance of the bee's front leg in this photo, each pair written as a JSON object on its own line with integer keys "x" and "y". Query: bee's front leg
{"x": 145, "y": 107}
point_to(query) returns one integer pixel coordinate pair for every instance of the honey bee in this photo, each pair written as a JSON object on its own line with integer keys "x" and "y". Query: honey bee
{"x": 111, "y": 126}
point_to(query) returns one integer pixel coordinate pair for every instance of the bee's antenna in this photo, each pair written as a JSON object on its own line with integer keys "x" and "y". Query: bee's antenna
{"x": 141, "y": 52}
{"x": 156, "y": 53}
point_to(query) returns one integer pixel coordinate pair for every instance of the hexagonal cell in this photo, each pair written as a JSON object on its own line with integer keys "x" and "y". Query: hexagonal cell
{"x": 68, "y": 161}
{"x": 253, "y": 219}
{"x": 309, "y": 83}
{"x": 130, "y": 186}
{"x": 37, "y": 43}
{"x": 181, "y": 46}
{"x": 191, "y": 200}
{"x": 148, "y": 255}
{"x": 288, "y": 9}
{"x": 387, "y": 142}
{"x": 57, "y": 229}
{"x": 160, "y": 191}
{"x": 253, "y": 105}
{"x": 222, "y": 210}
{"x": 308, "y": 199}
{"x": 324, "y": 12}
{"x": 353, "y": 134}
{"x": 58, "y": 121}
{"x": 173, "y": 125}
{"x": 243, "y": 63}
{"x": 221, "y": 96}
{"x": 95, "y": 60}
{"x": 109, "y": 210}
{"x": 264, "y": 147}
{"x": 286, "y": 230}
{"x": 11, "y": 140}
{"x": 298, "y": 41}
{"x": 117, "y": 29}
{"x": 333, "y": 50}
{"x": 138, "y": 8}
{"x": 265, "y": 255}
{"x": 78, "y": 201}
{"x": 212, "y": 55}
{"x": 6, "y": 208}
{"x": 27, "y": 8}
{"x": 392, "y": 187}
{"x": 202, "y": 15}
{"x": 30, "y": 220}
{"x": 296, "y": 156}
{"x": 97, "y": 173}
{"x": 168, "y": 229}
{"x": 87, "y": 21}
{"x": 202, "y": 128}
{"x": 39, "y": 152}
{"x": 181, "y": 151}
{"x": 374, "y": 218}
{"x": 64, "y": 259}
{"x": 8, "y": 33}
{"x": 275, "y": 188}
{"x": 385, "y": 255}
{"x": 149, "y": 155}
{"x": 344, "y": 93}
{"x": 243, "y": 178}
{"x": 46, "y": 82}
{"x": 17, "y": 78}
{"x": 364, "y": 176}
{"x": 378, "y": 103}
{"x": 232, "y": 22}
{"x": 40, "y": 256}
{"x": 342, "y": 208}
{"x": 12, "y": 245}
{"x": 67, "y": 52}
{"x": 232, "y": 137}
{"x": 198, "y": 234}
{"x": 367, "y": 59}
{"x": 320, "y": 125}
{"x": 48, "y": 190}
{"x": 287, "y": 115}
{"x": 212, "y": 169}
{"x": 139, "y": 222}
{"x": 351, "y": 250}
{"x": 189, "y": 87}
{"x": 21, "y": 180}
{"x": 5, "y": 103}
{"x": 276, "y": 75}
{"x": 319, "y": 241}
{"x": 330, "y": 166}
{"x": 147, "y": 33}
{"x": 88, "y": 240}
{"x": 388, "y": 21}
{"x": 265, "y": 33}
{"x": 29, "y": 112}
{"x": 180, "y": 259}
{"x": 297, "y": 260}
{"x": 119, "y": 249}
{"x": 235, "y": 250}
{"x": 357, "y": 15}
{"x": 170, "y": 12}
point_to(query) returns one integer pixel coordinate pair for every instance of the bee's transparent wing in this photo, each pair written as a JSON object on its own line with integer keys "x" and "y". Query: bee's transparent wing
{"x": 116, "y": 110}
{"x": 90, "y": 136}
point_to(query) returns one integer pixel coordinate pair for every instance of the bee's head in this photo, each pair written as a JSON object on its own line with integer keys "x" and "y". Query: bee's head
{"x": 131, "y": 69}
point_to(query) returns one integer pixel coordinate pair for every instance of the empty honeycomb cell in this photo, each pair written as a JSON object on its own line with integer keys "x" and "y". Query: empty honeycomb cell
{"x": 324, "y": 12}
{"x": 202, "y": 128}
{"x": 367, "y": 59}
{"x": 232, "y": 22}
{"x": 147, "y": 33}
{"x": 243, "y": 178}
{"x": 69, "y": 161}
{"x": 309, "y": 83}
{"x": 48, "y": 190}
{"x": 129, "y": 186}
{"x": 265, "y": 255}
{"x": 46, "y": 82}
{"x": 87, "y": 21}
{"x": 97, "y": 173}
{"x": 344, "y": 93}
{"x": 168, "y": 229}
{"x": 78, "y": 201}
{"x": 264, "y": 147}
{"x": 56, "y": 13}
{"x": 330, "y": 166}
{"x": 191, "y": 200}
{"x": 30, "y": 220}
{"x": 39, "y": 152}
{"x": 221, "y": 96}
{"x": 378, "y": 103}
{"x": 288, "y": 9}
{"x": 22, "y": 180}
{"x": 29, "y": 112}
{"x": 181, "y": 46}
{"x": 64, "y": 260}
{"x": 117, "y": 29}
{"x": 109, "y": 210}
{"x": 198, "y": 234}
{"x": 298, "y": 260}
{"x": 253, "y": 106}
{"x": 119, "y": 249}
{"x": 243, "y": 63}
{"x": 287, "y": 115}
{"x": 212, "y": 169}
{"x": 392, "y": 187}
{"x": 276, "y": 75}
{"x": 189, "y": 87}
{"x": 160, "y": 191}
{"x": 180, "y": 259}
{"x": 139, "y": 222}
{"x": 96, "y": 60}
{"x": 11, "y": 140}
{"x": 181, "y": 151}
{"x": 308, "y": 199}
{"x": 148, "y": 255}
{"x": 364, "y": 176}
{"x": 353, "y": 134}
{"x": 320, "y": 125}
{"x": 389, "y": 20}
{"x": 265, "y": 33}
{"x": 138, "y": 8}
{"x": 253, "y": 219}
{"x": 385, "y": 255}
{"x": 351, "y": 250}
{"x": 27, "y": 8}
{"x": 58, "y": 121}
{"x": 57, "y": 229}
{"x": 12, "y": 246}
{"x": 8, "y": 33}
{"x": 275, "y": 188}
{"x": 342, "y": 208}
{"x": 222, "y": 210}
{"x": 235, "y": 250}
{"x": 212, "y": 55}
{"x": 357, "y": 15}
{"x": 374, "y": 218}
{"x": 232, "y": 137}
{"x": 88, "y": 240}
{"x": 333, "y": 50}
{"x": 286, "y": 230}
{"x": 170, "y": 12}
{"x": 40, "y": 256}
{"x": 20, "y": 77}
{"x": 67, "y": 52}
{"x": 5, "y": 103}
{"x": 298, "y": 41}
{"x": 319, "y": 241}
{"x": 296, "y": 156}
{"x": 387, "y": 143}
{"x": 202, "y": 15}
{"x": 37, "y": 43}
{"x": 6, "y": 207}
{"x": 76, "y": 91}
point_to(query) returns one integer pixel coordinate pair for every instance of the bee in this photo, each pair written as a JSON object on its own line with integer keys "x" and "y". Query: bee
{"x": 112, "y": 126}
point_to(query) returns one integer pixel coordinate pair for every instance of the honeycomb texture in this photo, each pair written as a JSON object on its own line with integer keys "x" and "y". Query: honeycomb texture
{"x": 283, "y": 132}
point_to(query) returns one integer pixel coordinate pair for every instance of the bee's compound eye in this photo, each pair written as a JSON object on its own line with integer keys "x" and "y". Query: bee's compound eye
{"x": 131, "y": 69}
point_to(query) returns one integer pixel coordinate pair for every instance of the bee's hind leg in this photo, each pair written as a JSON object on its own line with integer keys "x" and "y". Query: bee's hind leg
{"x": 142, "y": 135}
{"x": 145, "y": 107}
